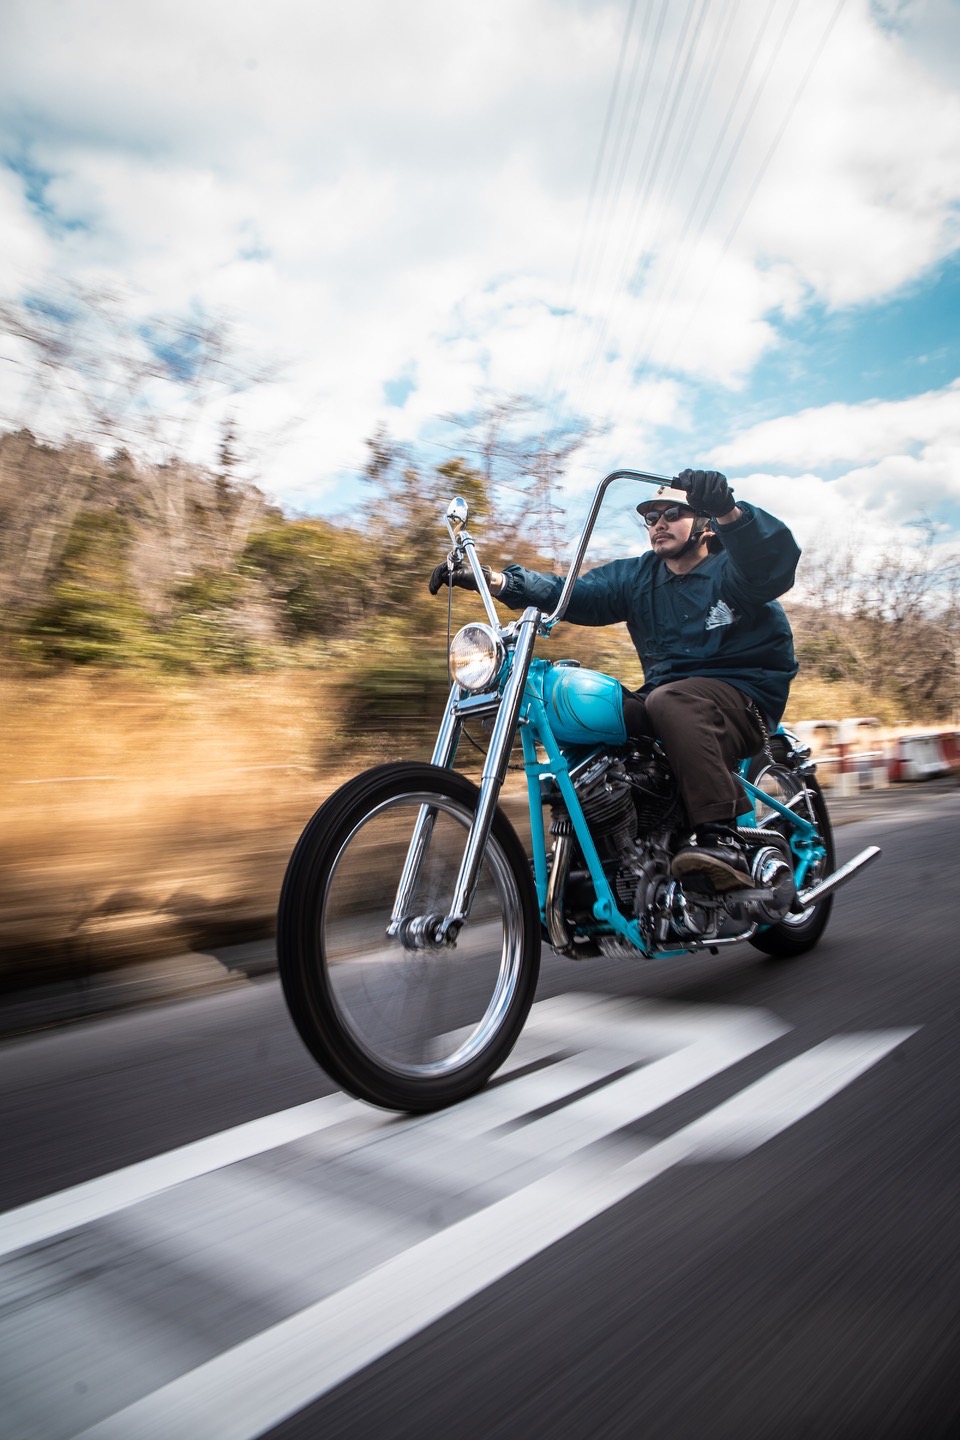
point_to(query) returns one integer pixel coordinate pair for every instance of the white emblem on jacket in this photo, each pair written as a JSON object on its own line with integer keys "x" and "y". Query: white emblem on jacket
{"x": 719, "y": 614}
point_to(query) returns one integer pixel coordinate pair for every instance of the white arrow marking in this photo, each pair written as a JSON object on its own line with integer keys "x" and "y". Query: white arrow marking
{"x": 704, "y": 1041}
{"x": 256, "y": 1385}
{"x": 81, "y": 1204}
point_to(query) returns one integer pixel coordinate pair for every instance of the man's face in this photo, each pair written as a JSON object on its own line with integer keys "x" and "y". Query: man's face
{"x": 667, "y": 536}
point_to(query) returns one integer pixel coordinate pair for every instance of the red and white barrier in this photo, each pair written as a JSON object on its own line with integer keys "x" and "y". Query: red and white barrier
{"x": 923, "y": 757}
{"x": 859, "y": 754}
{"x": 847, "y": 780}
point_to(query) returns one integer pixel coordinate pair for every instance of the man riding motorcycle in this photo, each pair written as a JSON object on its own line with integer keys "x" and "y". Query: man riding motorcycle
{"x": 716, "y": 647}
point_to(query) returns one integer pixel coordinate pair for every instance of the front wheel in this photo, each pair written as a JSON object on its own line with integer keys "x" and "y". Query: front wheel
{"x": 796, "y": 932}
{"x": 404, "y": 1028}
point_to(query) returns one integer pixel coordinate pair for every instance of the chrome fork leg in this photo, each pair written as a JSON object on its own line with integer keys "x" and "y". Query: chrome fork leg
{"x": 443, "y": 753}
{"x": 494, "y": 773}
{"x": 491, "y": 782}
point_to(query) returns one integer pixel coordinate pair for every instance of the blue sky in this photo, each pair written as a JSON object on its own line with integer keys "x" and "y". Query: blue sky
{"x": 888, "y": 349}
{"x": 718, "y": 231}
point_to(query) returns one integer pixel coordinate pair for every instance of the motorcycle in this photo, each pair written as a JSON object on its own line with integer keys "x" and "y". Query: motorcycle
{"x": 411, "y": 916}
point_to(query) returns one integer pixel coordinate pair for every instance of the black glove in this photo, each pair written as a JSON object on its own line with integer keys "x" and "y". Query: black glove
{"x": 462, "y": 575}
{"x": 707, "y": 491}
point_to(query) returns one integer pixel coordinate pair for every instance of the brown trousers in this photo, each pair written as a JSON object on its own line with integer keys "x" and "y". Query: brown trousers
{"x": 705, "y": 726}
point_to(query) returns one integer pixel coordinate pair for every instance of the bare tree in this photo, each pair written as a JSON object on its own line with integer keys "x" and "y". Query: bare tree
{"x": 893, "y": 627}
{"x": 98, "y": 373}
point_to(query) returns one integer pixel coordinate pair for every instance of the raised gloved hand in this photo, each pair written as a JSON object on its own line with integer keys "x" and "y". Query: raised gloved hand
{"x": 707, "y": 491}
{"x": 462, "y": 575}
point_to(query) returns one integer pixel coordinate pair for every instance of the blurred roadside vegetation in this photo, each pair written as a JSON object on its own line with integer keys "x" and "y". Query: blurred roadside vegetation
{"x": 186, "y": 670}
{"x": 160, "y": 571}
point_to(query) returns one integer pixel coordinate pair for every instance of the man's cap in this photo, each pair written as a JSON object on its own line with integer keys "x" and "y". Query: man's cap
{"x": 665, "y": 496}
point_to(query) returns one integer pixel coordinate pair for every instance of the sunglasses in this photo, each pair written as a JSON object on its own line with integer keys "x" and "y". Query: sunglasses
{"x": 670, "y": 514}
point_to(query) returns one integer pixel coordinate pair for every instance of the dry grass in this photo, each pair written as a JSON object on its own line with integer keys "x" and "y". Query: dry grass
{"x": 139, "y": 818}
{"x": 836, "y": 700}
{"x": 143, "y": 818}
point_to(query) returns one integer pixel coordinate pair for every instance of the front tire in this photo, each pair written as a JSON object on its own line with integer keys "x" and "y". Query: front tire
{"x": 406, "y": 1029}
{"x": 795, "y": 933}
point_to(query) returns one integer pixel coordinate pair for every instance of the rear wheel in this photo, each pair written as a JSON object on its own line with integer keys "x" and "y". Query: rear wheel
{"x": 800, "y": 931}
{"x": 408, "y": 1029}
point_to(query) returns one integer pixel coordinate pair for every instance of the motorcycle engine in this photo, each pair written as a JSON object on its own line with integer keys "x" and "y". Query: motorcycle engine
{"x": 631, "y": 802}
{"x": 625, "y": 797}
{"x": 608, "y": 809}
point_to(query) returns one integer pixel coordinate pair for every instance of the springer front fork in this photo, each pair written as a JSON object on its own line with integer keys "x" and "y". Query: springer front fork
{"x": 433, "y": 931}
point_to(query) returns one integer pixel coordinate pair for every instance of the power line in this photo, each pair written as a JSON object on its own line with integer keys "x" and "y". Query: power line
{"x": 647, "y": 352}
{"x": 662, "y": 124}
{"x": 594, "y": 183}
{"x": 774, "y": 145}
{"x": 673, "y": 118}
{"x": 695, "y": 112}
{"x": 627, "y": 131}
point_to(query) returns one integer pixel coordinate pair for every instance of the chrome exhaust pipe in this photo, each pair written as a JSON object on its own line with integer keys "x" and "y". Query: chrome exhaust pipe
{"x": 560, "y": 937}
{"x": 838, "y": 878}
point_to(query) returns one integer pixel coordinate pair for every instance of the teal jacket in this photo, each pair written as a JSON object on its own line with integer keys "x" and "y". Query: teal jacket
{"x": 721, "y": 620}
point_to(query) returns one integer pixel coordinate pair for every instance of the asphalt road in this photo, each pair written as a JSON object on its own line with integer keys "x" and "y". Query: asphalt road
{"x": 716, "y": 1198}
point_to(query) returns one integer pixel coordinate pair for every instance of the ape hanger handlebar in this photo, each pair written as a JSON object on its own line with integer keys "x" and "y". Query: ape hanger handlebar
{"x": 645, "y": 478}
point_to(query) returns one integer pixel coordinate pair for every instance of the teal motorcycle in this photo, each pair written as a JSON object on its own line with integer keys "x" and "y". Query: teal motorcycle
{"x": 412, "y": 914}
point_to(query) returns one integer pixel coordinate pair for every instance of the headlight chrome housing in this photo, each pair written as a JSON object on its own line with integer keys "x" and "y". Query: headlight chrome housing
{"x": 476, "y": 657}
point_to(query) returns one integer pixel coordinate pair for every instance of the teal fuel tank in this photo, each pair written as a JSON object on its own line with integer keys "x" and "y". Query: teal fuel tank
{"x": 584, "y": 707}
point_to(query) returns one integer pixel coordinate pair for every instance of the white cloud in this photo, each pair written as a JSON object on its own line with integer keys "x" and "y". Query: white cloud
{"x": 861, "y": 194}
{"x": 874, "y": 430}
{"x": 375, "y": 189}
{"x": 23, "y": 244}
{"x": 905, "y": 469}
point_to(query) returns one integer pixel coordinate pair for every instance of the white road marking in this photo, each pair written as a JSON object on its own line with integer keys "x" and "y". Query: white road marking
{"x": 788, "y": 1093}
{"x": 245, "y": 1232}
{"x": 712, "y": 1040}
{"x": 259, "y": 1383}
{"x": 95, "y": 1199}
{"x": 81, "y": 1204}
{"x": 398, "y": 1220}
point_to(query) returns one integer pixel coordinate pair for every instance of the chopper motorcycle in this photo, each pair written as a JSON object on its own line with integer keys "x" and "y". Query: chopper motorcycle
{"x": 411, "y": 916}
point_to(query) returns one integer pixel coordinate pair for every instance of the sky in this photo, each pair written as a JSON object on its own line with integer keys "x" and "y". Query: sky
{"x": 719, "y": 233}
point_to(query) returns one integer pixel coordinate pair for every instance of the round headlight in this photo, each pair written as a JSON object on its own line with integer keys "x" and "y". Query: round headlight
{"x": 476, "y": 657}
